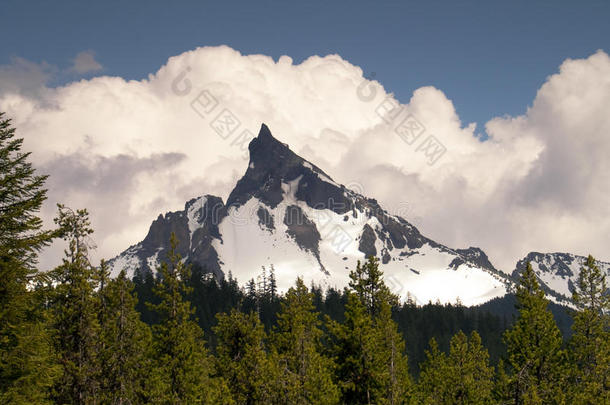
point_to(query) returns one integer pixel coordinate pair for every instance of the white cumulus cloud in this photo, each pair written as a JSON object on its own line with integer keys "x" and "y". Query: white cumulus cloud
{"x": 129, "y": 150}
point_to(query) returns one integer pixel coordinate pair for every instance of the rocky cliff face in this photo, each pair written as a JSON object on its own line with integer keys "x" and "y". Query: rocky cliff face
{"x": 287, "y": 212}
{"x": 557, "y": 272}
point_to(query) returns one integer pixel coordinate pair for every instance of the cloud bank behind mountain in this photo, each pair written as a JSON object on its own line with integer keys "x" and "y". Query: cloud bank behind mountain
{"x": 129, "y": 150}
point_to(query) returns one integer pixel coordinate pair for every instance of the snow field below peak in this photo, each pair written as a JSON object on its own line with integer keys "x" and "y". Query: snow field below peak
{"x": 424, "y": 273}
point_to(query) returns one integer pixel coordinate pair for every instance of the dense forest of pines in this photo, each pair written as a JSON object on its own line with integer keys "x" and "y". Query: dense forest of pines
{"x": 76, "y": 336}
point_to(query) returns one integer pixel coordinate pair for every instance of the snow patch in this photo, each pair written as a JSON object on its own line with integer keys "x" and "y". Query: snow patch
{"x": 246, "y": 247}
{"x": 153, "y": 261}
{"x": 290, "y": 189}
{"x": 127, "y": 261}
{"x": 194, "y": 215}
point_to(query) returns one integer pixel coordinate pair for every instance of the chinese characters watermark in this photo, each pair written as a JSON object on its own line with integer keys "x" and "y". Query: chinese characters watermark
{"x": 221, "y": 119}
{"x": 409, "y": 128}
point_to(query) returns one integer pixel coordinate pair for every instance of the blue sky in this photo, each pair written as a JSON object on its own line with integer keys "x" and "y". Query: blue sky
{"x": 489, "y": 57}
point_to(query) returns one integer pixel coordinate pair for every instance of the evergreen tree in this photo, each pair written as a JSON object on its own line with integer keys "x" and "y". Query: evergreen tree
{"x": 27, "y": 362}
{"x": 431, "y": 387}
{"x": 367, "y": 283}
{"x": 387, "y": 367}
{"x": 74, "y": 310}
{"x": 251, "y": 290}
{"x": 125, "y": 342}
{"x": 463, "y": 377}
{"x": 262, "y": 283}
{"x": 396, "y": 379}
{"x": 251, "y": 375}
{"x": 360, "y": 369}
{"x": 272, "y": 283}
{"x": 471, "y": 364}
{"x": 252, "y": 298}
{"x": 534, "y": 344}
{"x": 144, "y": 284}
{"x": 297, "y": 340}
{"x": 182, "y": 370}
{"x": 502, "y": 385}
{"x": 590, "y": 343}
{"x": 21, "y": 196}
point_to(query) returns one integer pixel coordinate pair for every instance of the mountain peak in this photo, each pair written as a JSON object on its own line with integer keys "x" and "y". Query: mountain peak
{"x": 557, "y": 272}
{"x": 272, "y": 164}
{"x": 265, "y": 133}
{"x": 267, "y": 150}
{"x": 287, "y": 212}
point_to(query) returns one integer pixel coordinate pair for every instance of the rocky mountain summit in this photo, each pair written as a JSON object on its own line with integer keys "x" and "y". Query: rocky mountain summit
{"x": 288, "y": 212}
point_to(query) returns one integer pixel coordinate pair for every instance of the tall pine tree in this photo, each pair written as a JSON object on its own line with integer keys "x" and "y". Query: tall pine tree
{"x": 27, "y": 363}
{"x": 396, "y": 379}
{"x": 534, "y": 345}
{"x": 297, "y": 340}
{"x": 359, "y": 371}
{"x": 462, "y": 377}
{"x": 182, "y": 368}
{"x": 74, "y": 307}
{"x": 124, "y": 342}
{"x": 242, "y": 360}
{"x": 371, "y": 363}
{"x": 590, "y": 342}
{"x": 431, "y": 387}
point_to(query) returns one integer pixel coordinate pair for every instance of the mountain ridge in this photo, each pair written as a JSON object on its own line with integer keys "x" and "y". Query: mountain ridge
{"x": 288, "y": 212}
{"x": 557, "y": 272}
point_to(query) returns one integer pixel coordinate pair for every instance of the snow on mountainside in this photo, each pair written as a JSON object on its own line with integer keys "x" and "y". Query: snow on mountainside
{"x": 557, "y": 272}
{"x": 287, "y": 212}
